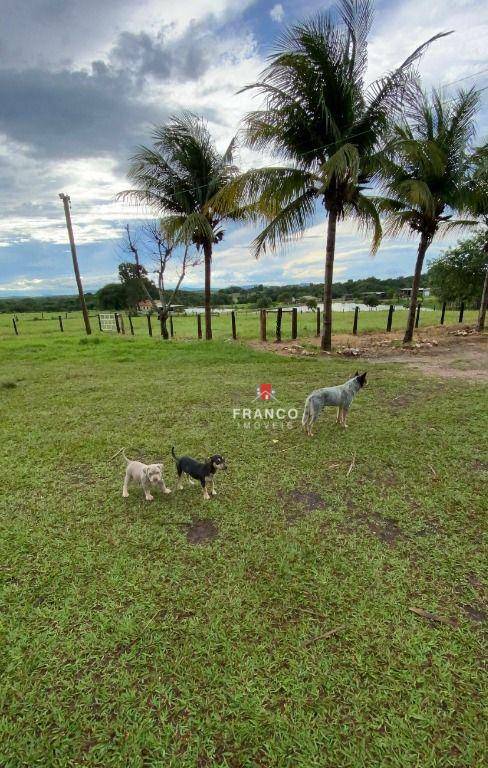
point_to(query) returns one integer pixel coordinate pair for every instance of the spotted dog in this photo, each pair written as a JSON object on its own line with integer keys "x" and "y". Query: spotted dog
{"x": 197, "y": 470}
{"x": 340, "y": 396}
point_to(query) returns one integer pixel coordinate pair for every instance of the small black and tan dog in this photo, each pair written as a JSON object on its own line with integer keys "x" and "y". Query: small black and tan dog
{"x": 197, "y": 470}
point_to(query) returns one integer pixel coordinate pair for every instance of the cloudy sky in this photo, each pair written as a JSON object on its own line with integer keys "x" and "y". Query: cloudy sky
{"x": 83, "y": 82}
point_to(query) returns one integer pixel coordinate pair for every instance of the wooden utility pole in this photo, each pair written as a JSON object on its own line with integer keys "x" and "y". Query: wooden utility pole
{"x": 66, "y": 203}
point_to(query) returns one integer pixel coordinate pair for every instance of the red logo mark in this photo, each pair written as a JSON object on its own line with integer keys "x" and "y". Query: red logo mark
{"x": 265, "y": 392}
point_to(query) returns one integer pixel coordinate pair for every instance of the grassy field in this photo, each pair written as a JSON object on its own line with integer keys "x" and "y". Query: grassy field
{"x": 185, "y": 327}
{"x": 182, "y": 633}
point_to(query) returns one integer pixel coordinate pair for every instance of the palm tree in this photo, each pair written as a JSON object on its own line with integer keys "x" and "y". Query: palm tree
{"x": 319, "y": 116}
{"x": 478, "y": 206}
{"x": 178, "y": 178}
{"x": 425, "y": 174}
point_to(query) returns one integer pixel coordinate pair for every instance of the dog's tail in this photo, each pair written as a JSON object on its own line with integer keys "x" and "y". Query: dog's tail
{"x": 307, "y": 412}
{"x": 175, "y": 457}
{"x": 122, "y": 451}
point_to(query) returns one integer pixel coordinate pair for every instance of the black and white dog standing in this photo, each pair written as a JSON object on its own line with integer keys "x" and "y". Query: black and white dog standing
{"x": 197, "y": 470}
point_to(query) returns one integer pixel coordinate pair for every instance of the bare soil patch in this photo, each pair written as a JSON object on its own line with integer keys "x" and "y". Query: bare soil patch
{"x": 201, "y": 531}
{"x": 474, "y": 613}
{"x": 448, "y": 352}
{"x": 298, "y": 503}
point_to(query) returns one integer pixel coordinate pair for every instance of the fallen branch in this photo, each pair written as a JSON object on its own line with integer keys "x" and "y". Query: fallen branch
{"x": 324, "y": 636}
{"x": 434, "y": 473}
{"x": 433, "y": 616}
{"x": 351, "y": 466}
{"x": 116, "y": 454}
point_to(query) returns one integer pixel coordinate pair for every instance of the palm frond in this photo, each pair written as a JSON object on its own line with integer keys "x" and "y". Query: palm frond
{"x": 290, "y": 222}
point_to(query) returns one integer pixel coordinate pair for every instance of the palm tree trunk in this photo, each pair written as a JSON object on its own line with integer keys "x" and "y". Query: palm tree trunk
{"x": 207, "y": 249}
{"x": 480, "y": 326}
{"x": 425, "y": 241}
{"x": 326, "y": 340}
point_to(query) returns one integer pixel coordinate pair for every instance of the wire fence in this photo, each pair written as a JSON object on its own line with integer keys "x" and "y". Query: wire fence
{"x": 278, "y": 323}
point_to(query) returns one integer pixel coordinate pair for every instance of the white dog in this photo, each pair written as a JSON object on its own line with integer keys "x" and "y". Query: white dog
{"x": 143, "y": 474}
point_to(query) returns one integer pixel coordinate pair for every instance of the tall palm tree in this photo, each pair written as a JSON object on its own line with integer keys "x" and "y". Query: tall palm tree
{"x": 178, "y": 178}
{"x": 320, "y": 117}
{"x": 478, "y": 206}
{"x": 425, "y": 174}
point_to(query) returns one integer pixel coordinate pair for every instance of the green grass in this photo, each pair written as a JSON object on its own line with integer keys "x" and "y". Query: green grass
{"x": 122, "y": 644}
{"x": 32, "y": 324}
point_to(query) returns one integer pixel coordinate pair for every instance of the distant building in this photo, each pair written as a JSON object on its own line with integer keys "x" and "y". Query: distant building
{"x": 405, "y": 293}
{"x": 147, "y": 306}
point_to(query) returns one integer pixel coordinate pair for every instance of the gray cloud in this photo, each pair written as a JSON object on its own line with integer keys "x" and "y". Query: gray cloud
{"x": 101, "y": 110}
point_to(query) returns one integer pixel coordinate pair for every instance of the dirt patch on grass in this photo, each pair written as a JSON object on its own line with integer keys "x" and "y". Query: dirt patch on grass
{"x": 298, "y": 503}
{"x": 201, "y": 531}
{"x": 474, "y": 613}
{"x": 385, "y": 529}
{"x": 444, "y": 351}
{"x": 480, "y": 466}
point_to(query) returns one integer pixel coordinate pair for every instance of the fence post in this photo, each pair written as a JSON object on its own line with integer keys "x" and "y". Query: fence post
{"x": 117, "y": 324}
{"x": 417, "y": 318}
{"x": 199, "y": 326}
{"x": 15, "y": 326}
{"x": 65, "y": 315}
{"x": 317, "y": 330}
{"x": 171, "y": 327}
{"x": 443, "y": 312}
{"x": 390, "y": 317}
{"x": 131, "y": 326}
{"x": 149, "y": 326}
{"x": 279, "y": 318}
{"x": 262, "y": 323}
{"x": 99, "y": 323}
{"x": 122, "y": 326}
{"x": 61, "y": 323}
{"x": 234, "y": 329}
{"x": 355, "y": 321}
{"x": 461, "y": 312}
{"x": 294, "y": 323}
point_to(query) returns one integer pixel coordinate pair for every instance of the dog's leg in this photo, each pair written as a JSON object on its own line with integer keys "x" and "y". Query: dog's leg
{"x": 190, "y": 480}
{"x": 344, "y": 417}
{"x": 205, "y": 491}
{"x": 339, "y": 415}
{"x": 163, "y": 487}
{"x": 179, "y": 486}
{"x": 212, "y": 487}
{"x": 125, "y": 489}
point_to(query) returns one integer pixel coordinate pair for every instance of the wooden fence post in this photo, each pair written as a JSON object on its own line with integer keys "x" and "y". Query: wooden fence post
{"x": 60, "y": 323}
{"x": 122, "y": 326}
{"x": 262, "y": 324}
{"x": 355, "y": 321}
{"x": 15, "y": 326}
{"x": 417, "y": 318}
{"x": 294, "y": 323}
{"x": 390, "y": 317}
{"x": 279, "y": 318}
{"x": 117, "y": 323}
{"x": 171, "y": 327}
{"x": 461, "y": 312}
{"x": 131, "y": 326}
{"x": 317, "y": 330}
{"x": 99, "y": 323}
{"x": 443, "y": 313}
{"x": 199, "y": 326}
{"x": 149, "y": 326}
{"x": 234, "y": 329}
